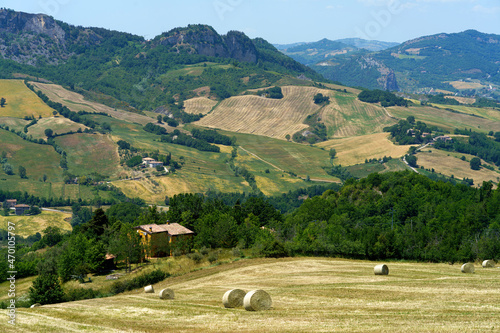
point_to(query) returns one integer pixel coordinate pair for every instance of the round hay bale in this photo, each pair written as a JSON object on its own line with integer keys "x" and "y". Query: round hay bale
{"x": 233, "y": 298}
{"x": 488, "y": 264}
{"x": 149, "y": 289}
{"x": 467, "y": 268}
{"x": 257, "y": 300}
{"x": 35, "y": 305}
{"x": 381, "y": 270}
{"x": 167, "y": 294}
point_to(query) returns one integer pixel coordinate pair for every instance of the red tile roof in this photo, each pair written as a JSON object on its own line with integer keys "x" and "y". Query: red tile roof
{"x": 173, "y": 229}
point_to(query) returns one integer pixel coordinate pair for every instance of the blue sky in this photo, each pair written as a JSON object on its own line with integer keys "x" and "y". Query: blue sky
{"x": 279, "y": 21}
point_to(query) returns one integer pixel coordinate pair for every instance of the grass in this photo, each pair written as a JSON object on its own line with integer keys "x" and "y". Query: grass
{"x": 309, "y": 295}
{"x": 449, "y": 163}
{"x": 20, "y": 101}
{"x": 89, "y": 153}
{"x": 30, "y": 225}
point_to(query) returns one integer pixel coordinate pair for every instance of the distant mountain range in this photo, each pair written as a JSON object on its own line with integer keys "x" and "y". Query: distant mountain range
{"x": 312, "y": 53}
{"x": 466, "y": 62}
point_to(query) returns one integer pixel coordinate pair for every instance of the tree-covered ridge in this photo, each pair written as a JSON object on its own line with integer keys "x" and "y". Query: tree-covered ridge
{"x": 128, "y": 68}
{"x": 426, "y": 62}
{"x": 385, "y": 98}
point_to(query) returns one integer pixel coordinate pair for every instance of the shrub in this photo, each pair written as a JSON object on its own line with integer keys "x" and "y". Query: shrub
{"x": 213, "y": 257}
{"x": 204, "y": 251}
{"x": 196, "y": 257}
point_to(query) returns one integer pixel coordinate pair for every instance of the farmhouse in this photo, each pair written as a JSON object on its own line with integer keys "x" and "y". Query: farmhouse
{"x": 148, "y": 161}
{"x": 11, "y": 202}
{"x": 21, "y": 209}
{"x": 160, "y": 238}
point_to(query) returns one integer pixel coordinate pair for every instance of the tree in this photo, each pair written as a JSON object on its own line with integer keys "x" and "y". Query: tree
{"x": 44, "y": 177}
{"x": 8, "y": 169}
{"x": 126, "y": 245}
{"x": 2, "y": 102}
{"x": 332, "y": 153}
{"x": 22, "y": 172}
{"x": 48, "y": 133}
{"x": 411, "y": 119}
{"x": 475, "y": 163}
{"x": 412, "y": 160}
{"x": 46, "y": 289}
{"x": 287, "y": 137}
{"x": 159, "y": 118}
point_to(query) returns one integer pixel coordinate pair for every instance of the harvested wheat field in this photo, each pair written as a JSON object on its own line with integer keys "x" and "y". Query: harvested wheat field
{"x": 21, "y": 101}
{"x": 356, "y": 149}
{"x": 197, "y": 105}
{"x": 449, "y": 163}
{"x": 347, "y": 116}
{"x": 308, "y": 295}
{"x": 265, "y": 116}
{"x": 76, "y": 102}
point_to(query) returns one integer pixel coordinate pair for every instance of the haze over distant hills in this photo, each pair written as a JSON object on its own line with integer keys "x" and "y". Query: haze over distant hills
{"x": 438, "y": 61}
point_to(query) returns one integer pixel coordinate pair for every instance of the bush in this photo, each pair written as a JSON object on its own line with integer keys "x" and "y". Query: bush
{"x": 196, "y": 257}
{"x": 82, "y": 293}
{"x": 274, "y": 249}
{"x": 204, "y": 250}
{"x": 139, "y": 281}
{"x": 213, "y": 257}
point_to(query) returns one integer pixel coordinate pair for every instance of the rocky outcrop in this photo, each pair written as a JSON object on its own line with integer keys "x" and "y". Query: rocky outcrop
{"x": 387, "y": 79}
{"x": 204, "y": 40}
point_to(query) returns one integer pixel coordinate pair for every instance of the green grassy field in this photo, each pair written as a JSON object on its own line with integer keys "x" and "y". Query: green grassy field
{"x": 308, "y": 295}
{"x": 59, "y": 125}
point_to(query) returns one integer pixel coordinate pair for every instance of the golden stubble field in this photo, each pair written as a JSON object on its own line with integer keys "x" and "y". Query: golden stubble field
{"x": 265, "y": 116}
{"x": 309, "y": 295}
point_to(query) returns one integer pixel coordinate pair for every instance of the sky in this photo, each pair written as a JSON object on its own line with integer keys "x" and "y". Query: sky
{"x": 278, "y": 21}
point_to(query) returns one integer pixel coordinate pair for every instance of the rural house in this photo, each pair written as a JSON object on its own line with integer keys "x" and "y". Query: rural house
{"x": 11, "y": 202}
{"x": 21, "y": 209}
{"x": 148, "y": 161}
{"x": 160, "y": 238}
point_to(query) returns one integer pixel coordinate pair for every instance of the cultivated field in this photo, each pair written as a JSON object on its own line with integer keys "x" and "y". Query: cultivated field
{"x": 466, "y": 85}
{"x": 485, "y": 121}
{"x": 449, "y": 163}
{"x": 76, "y": 102}
{"x": 308, "y": 295}
{"x": 59, "y": 125}
{"x": 197, "y": 105}
{"x": 347, "y": 116}
{"x": 20, "y": 101}
{"x": 30, "y": 225}
{"x": 265, "y": 116}
{"x": 355, "y": 150}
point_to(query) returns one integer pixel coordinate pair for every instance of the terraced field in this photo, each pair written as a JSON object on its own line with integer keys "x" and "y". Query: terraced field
{"x": 264, "y": 116}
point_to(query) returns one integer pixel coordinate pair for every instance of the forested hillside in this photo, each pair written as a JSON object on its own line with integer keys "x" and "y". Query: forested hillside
{"x": 439, "y": 61}
{"x": 97, "y": 61}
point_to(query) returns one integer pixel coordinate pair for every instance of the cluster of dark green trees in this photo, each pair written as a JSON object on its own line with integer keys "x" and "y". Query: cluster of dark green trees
{"x": 407, "y": 132}
{"x": 385, "y": 98}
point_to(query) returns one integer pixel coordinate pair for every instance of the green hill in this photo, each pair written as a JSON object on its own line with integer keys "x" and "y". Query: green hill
{"x": 424, "y": 63}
